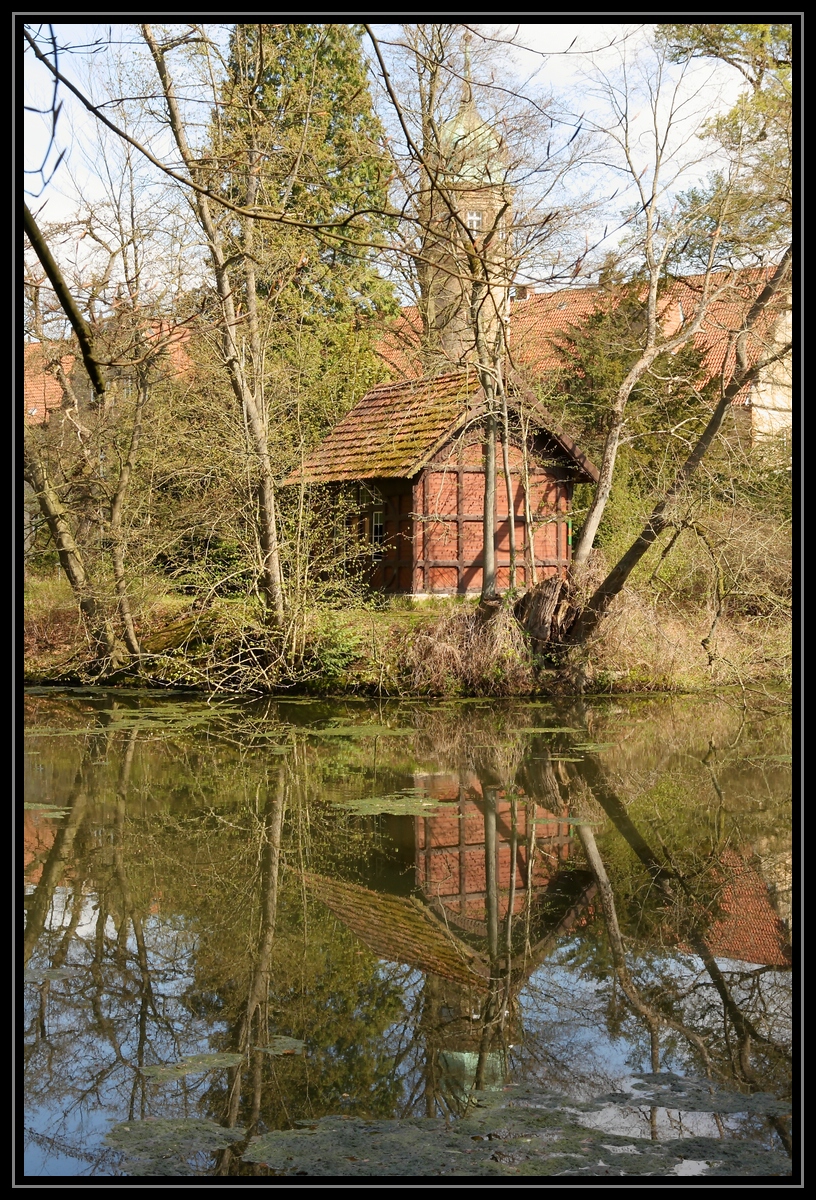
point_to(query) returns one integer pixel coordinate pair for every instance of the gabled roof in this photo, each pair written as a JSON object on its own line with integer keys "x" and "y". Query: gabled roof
{"x": 396, "y": 429}
{"x": 538, "y": 325}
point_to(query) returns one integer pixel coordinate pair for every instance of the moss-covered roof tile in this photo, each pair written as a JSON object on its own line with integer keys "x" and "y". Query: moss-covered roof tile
{"x": 393, "y": 430}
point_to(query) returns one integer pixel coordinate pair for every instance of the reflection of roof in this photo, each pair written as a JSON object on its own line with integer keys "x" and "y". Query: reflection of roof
{"x": 38, "y": 839}
{"x": 539, "y": 323}
{"x": 400, "y": 931}
{"x": 407, "y": 931}
{"x": 748, "y": 928}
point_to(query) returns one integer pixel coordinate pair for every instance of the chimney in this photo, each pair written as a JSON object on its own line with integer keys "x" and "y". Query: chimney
{"x": 521, "y": 291}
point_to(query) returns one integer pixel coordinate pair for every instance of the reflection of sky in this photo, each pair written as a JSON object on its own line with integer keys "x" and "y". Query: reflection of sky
{"x": 72, "y": 1143}
{"x": 669, "y": 1123}
{"x": 59, "y": 915}
{"x": 565, "y": 1011}
{"x": 90, "y": 1063}
{"x": 171, "y": 945}
{"x": 565, "y": 1048}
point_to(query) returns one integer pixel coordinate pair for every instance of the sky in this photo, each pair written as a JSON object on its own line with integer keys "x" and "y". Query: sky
{"x": 550, "y": 55}
{"x": 556, "y": 56}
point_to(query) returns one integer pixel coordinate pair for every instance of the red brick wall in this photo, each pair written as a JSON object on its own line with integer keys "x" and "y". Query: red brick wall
{"x": 450, "y": 848}
{"x": 449, "y": 499}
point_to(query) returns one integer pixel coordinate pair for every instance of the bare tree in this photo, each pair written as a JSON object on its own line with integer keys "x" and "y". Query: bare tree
{"x": 247, "y": 392}
{"x": 476, "y": 204}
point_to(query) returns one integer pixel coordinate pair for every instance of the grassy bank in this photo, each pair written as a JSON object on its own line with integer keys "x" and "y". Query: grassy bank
{"x": 400, "y": 647}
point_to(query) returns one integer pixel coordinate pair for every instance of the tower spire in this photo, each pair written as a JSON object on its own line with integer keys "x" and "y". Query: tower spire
{"x": 467, "y": 90}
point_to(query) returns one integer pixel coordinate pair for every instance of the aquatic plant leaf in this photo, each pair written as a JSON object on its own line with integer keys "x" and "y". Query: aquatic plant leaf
{"x": 412, "y": 802}
{"x": 62, "y": 732}
{"x": 548, "y": 729}
{"x": 353, "y": 1146}
{"x": 165, "y": 1146}
{"x": 192, "y": 1065}
{"x": 666, "y": 1090}
{"x": 361, "y": 731}
{"x": 38, "y": 974}
{"x": 533, "y": 1135}
{"x": 282, "y": 1045}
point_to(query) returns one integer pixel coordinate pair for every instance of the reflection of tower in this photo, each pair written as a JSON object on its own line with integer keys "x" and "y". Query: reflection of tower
{"x": 466, "y": 1046}
{"x": 463, "y": 269}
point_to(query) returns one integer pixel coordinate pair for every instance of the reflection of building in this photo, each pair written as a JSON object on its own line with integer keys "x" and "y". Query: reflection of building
{"x": 447, "y": 932}
{"x": 775, "y": 863}
{"x": 747, "y": 927}
{"x": 38, "y": 839}
{"x": 451, "y": 851}
{"x": 469, "y": 857}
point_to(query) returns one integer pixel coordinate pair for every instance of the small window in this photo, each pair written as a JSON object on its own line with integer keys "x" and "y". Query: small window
{"x": 474, "y": 222}
{"x": 377, "y": 528}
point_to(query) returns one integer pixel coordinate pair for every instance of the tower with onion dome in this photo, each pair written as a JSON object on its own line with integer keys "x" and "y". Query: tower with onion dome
{"x": 463, "y": 265}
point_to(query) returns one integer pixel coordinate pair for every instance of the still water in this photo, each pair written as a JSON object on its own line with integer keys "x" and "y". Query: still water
{"x": 302, "y": 937}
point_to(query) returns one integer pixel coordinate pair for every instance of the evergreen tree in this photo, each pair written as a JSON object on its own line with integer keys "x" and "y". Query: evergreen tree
{"x": 296, "y": 133}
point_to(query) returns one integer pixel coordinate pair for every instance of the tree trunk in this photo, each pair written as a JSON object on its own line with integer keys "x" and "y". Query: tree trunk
{"x": 255, "y": 419}
{"x": 508, "y": 482}
{"x": 489, "y": 542}
{"x": 116, "y": 534}
{"x": 70, "y": 558}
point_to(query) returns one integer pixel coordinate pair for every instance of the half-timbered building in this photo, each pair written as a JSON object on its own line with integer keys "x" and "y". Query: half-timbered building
{"x": 414, "y": 452}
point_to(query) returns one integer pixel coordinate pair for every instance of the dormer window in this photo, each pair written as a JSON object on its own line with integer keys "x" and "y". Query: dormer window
{"x": 474, "y": 222}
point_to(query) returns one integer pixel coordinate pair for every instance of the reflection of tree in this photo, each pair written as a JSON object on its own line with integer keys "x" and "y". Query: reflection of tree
{"x": 97, "y": 1019}
{"x": 257, "y": 992}
{"x": 184, "y": 933}
{"x": 40, "y": 901}
{"x": 202, "y": 855}
{"x": 734, "y": 1057}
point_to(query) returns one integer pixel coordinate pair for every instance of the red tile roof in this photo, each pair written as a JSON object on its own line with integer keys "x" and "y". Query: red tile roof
{"x": 42, "y": 392}
{"x": 538, "y": 325}
{"x": 748, "y": 929}
{"x": 394, "y": 430}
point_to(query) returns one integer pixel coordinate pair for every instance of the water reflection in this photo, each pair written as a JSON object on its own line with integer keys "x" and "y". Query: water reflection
{"x": 433, "y": 900}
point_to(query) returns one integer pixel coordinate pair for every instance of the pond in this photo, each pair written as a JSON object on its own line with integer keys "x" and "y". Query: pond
{"x": 338, "y": 938}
